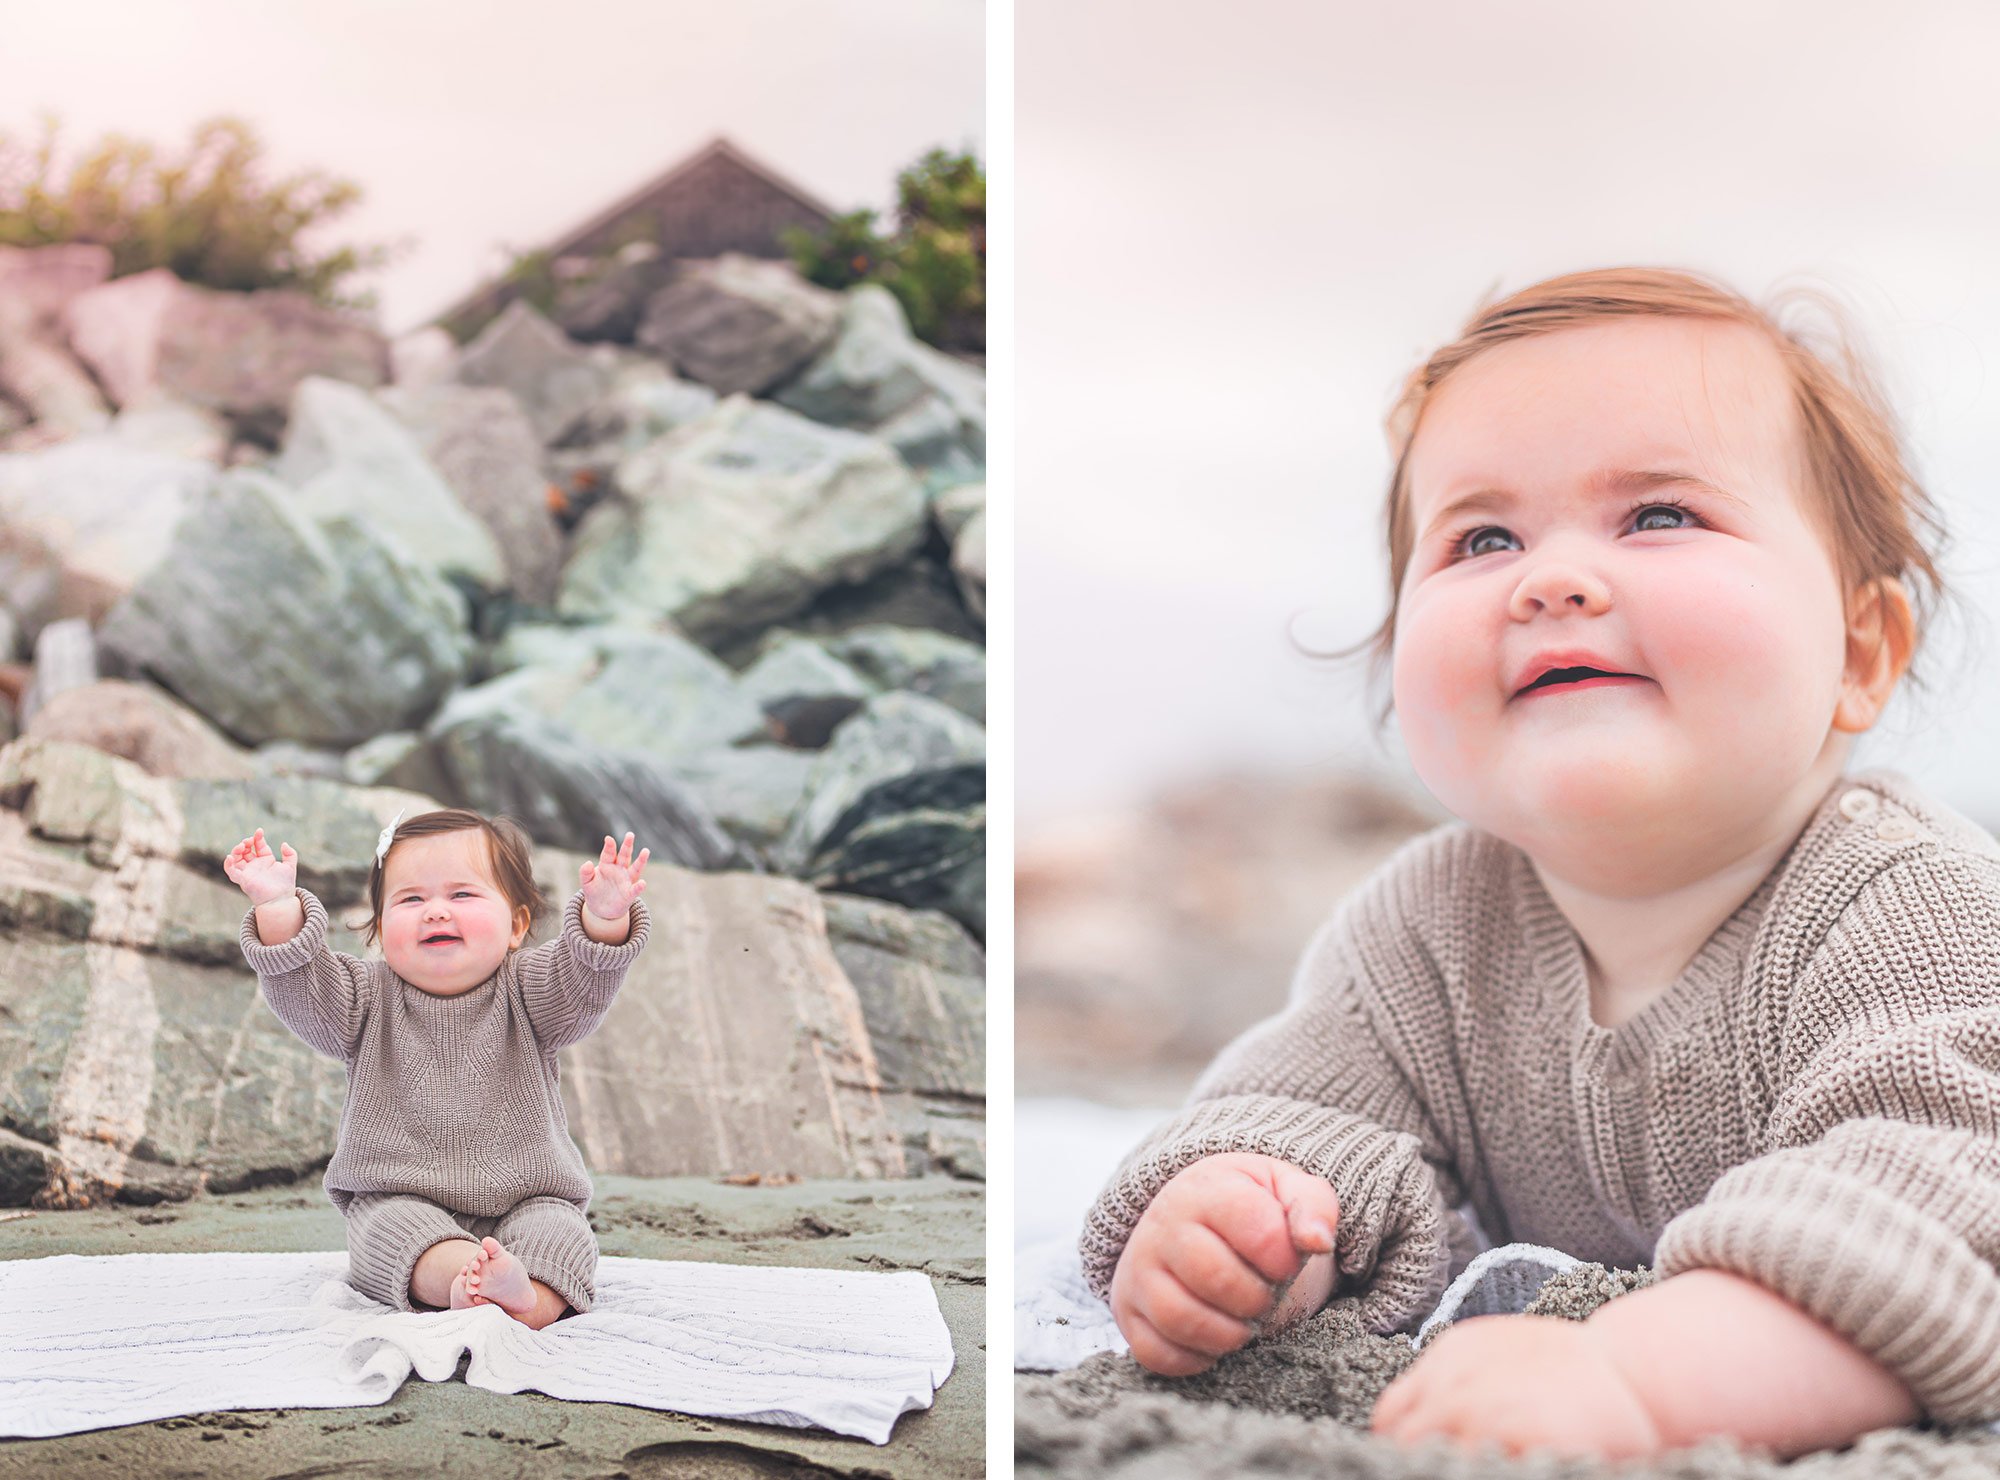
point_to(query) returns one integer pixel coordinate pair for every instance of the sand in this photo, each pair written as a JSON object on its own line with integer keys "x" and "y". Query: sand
{"x": 431, "y": 1429}
{"x": 1297, "y": 1404}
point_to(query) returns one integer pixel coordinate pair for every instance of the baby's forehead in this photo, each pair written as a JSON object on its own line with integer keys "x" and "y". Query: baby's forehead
{"x": 439, "y": 858}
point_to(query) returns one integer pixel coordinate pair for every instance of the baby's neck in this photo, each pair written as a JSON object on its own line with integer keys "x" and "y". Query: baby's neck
{"x": 1637, "y": 943}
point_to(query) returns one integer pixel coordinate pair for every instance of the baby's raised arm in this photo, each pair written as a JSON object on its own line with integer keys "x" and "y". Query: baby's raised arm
{"x": 316, "y": 991}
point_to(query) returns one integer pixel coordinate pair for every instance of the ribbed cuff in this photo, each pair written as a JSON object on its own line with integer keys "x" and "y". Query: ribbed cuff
{"x": 1392, "y": 1232}
{"x": 288, "y": 955}
{"x": 558, "y": 1250}
{"x": 594, "y": 955}
{"x": 387, "y": 1238}
{"x": 1903, "y": 1288}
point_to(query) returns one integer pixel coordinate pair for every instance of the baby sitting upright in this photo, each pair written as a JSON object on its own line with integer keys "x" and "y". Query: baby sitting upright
{"x": 453, "y": 1165}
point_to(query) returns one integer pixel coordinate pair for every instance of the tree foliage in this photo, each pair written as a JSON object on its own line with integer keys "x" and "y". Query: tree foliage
{"x": 210, "y": 215}
{"x": 933, "y": 260}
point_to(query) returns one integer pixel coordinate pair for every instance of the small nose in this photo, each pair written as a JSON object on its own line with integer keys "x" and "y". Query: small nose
{"x": 1559, "y": 585}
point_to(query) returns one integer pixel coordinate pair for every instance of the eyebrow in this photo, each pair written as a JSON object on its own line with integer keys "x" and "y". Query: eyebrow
{"x": 1604, "y": 482}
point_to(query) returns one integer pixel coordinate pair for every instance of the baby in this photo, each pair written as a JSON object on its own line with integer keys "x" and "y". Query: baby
{"x": 1675, "y": 989}
{"x": 453, "y": 1167}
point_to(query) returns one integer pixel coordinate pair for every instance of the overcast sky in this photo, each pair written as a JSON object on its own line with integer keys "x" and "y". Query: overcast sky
{"x": 1234, "y": 239}
{"x": 475, "y": 125}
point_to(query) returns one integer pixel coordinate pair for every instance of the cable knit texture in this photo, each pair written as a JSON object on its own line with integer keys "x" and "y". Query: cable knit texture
{"x": 452, "y": 1099}
{"x": 1812, "y": 1104}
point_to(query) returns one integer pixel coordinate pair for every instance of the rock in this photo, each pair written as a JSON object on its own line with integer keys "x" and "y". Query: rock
{"x": 739, "y": 324}
{"x": 803, "y": 690}
{"x": 645, "y": 401}
{"x": 918, "y": 661}
{"x": 553, "y": 379}
{"x": 893, "y": 735}
{"x": 570, "y": 793}
{"x": 752, "y": 790}
{"x": 172, "y": 428}
{"x": 350, "y": 638}
{"x": 918, "y": 840}
{"x": 370, "y": 762}
{"x": 241, "y": 354}
{"x": 144, "y": 725}
{"x": 876, "y": 376}
{"x": 10, "y": 636}
{"x": 65, "y": 659}
{"x": 44, "y": 280}
{"x": 968, "y": 563}
{"x": 482, "y": 443}
{"x": 622, "y": 689}
{"x": 608, "y": 300}
{"x": 738, "y": 519}
{"x": 92, "y": 516}
{"x": 332, "y": 825}
{"x": 348, "y": 456}
{"x": 954, "y": 507}
{"x": 39, "y": 374}
{"x": 740, "y": 1049}
{"x": 422, "y": 358}
{"x": 289, "y": 758}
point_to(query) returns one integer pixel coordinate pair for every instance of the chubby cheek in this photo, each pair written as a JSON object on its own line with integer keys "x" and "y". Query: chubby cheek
{"x": 1446, "y": 671}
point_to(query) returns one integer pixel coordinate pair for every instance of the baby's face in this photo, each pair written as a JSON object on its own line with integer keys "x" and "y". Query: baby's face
{"x": 446, "y": 925}
{"x": 1729, "y": 614}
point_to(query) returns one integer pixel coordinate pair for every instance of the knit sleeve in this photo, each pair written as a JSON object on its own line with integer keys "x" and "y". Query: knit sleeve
{"x": 567, "y": 983}
{"x": 1314, "y": 1086}
{"x": 319, "y": 993}
{"x": 1875, "y": 1206}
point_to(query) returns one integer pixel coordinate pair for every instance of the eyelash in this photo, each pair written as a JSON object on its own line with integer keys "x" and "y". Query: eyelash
{"x": 413, "y": 898}
{"x": 1455, "y": 548}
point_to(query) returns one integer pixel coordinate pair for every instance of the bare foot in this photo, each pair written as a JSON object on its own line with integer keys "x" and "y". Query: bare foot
{"x": 496, "y": 1277}
{"x": 460, "y": 1297}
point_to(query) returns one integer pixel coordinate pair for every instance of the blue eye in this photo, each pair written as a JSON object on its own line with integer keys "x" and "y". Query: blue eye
{"x": 1460, "y": 544}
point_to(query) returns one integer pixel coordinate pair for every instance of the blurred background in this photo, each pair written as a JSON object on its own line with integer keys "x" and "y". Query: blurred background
{"x": 575, "y": 414}
{"x": 1234, "y": 240}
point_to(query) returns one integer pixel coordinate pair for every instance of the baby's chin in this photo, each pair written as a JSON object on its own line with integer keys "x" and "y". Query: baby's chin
{"x": 461, "y": 977}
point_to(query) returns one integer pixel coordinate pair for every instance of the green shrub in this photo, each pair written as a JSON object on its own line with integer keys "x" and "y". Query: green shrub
{"x": 934, "y": 261}
{"x": 210, "y": 216}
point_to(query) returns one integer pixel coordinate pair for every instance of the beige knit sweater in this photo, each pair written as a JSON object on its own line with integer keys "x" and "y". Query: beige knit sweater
{"x": 1814, "y": 1104}
{"x": 454, "y": 1099}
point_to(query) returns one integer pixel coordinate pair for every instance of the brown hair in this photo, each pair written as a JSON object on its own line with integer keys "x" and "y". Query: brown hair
{"x": 508, "y": 854}
{"x": 1867, "y": 505}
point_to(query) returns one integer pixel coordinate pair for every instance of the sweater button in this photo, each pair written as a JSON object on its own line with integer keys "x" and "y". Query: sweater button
{"x": 1858, "y": 803}
{"x": 1895, "y": 829}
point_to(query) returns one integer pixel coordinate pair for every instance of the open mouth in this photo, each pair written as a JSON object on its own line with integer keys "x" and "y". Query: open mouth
{"x": 439, "y": 940}
{"x": 1578, "y": 678}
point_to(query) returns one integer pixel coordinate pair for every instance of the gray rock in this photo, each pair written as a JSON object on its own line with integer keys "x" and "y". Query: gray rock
{"x": 752, "y": 790}
{"x": 922, "y": 983}
{"x": 423, "y": 358}
{"x": 349, "y": 637}
{"x": 918, "y": 661}
{"x": 804, "y": 690}
{"x": 44, "y": 280}
{"x": 172, "y": 428}
{"x": 953, "y": 507}
{"x": 606, "y": 302}
{"x": 39, "y": 374}
{"x": 739, "y": 324}
{"x": 876, "y": 376}
{"x": 482, "y": 443}
{"x": 645, "y": 401}
{"x": 568, "y": 792}
{"x": 10, "y": 636}
{"x": 289, "y": 758}
{"x": 553, "y": 379}
{"x": 894, "y": 735}
{"x": 918, "y": 840}
{"x": 241, "y": 354}
{"x": 347, "y": 455}
{"x": 370, "y": 762}
{"x": 65, "y": 659}
{"x": 93, "y": 516}
{"x": 739, "y": 519}
{"x": 968, "y": 563}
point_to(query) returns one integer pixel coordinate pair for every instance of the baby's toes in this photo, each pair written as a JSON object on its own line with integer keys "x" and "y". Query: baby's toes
{"x": 461, "y": 1298}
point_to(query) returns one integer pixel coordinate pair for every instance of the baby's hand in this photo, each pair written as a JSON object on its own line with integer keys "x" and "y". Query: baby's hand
{"x": 1203, "y": 1260}
{"x": 1521, "y": 1382}
{"x": 260, "y": 875}
{"x": 612, "y": 883}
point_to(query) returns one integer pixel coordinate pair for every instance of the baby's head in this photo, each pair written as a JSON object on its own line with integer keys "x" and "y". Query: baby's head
{"x": 455, "y": 893}
{"x": 1641, "y": 471}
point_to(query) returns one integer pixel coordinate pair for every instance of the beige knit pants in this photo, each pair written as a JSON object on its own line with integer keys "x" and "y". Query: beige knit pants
{"x": 387, "y": 1233}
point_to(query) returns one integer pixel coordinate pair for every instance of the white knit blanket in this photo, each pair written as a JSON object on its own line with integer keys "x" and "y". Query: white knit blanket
{"x": 94, "y": 1341}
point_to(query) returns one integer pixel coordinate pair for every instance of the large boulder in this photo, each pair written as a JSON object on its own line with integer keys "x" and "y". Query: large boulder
{"x": 482, "y": 443}
{"x": 917, "y": 839}
{"x": 739, "y": 324}
{"x": 347, "y": 455}
{"x": 40, "y": 374}
{"x": 144, "y": 725}
{"x": 876, "y": 376}
{"x": 741, "y": 518}
{"x": 554, "y": 380}
{"x": 95, "y": 515}
{"x": 44, "y": 280}
{"x": 277, "y": 628}
{"x": 242, "y": 354}
{"x": 918, "y": 661}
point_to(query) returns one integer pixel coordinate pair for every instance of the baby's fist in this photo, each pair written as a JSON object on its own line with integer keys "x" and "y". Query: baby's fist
{"x": 613, "y": 882}
{"x": 258, "y": 872}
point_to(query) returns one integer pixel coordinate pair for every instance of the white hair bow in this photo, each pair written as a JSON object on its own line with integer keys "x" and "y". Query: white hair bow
{"x": 383, "y": 838}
